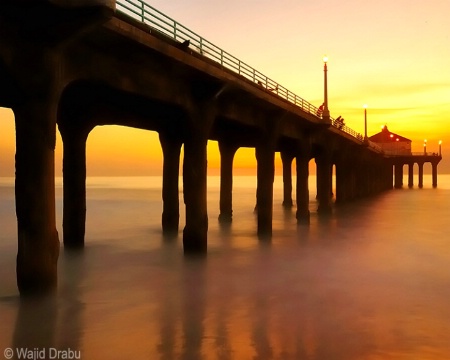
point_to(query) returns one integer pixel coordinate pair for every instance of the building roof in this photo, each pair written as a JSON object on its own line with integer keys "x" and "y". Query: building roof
{"x": 385, "y": 136}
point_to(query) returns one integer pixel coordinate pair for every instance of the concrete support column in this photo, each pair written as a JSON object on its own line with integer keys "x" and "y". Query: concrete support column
{"x": 324, "y": 182}
{"x": 194, "y": 190}
{"x": 350, "y": 183}
{"x": 345, "y": 174}
{"x": 389, "y": 176}
{"x": 381, "y": 176}
{"x": 358, "y": 178}
{"x": 265, "y": 157}
{"x": 410, "y": 175}
{"x": 365, "y": 177}
{"x": 74, "y": 185}
{"x": 398, "y": 181}
{"x": 434, "y": 173}
{"x": 420, "y": 175}
{"x": 38, "y": 244}
{"x": 303, "y": 213}
{"x": 171, "y": 147}
{"x": 392, "y": 177}
{"x": 227, "y": 152}
{"x": 343, "y": 181}
{"x": 286, "y": 159}
{"x": 201, "y": 112}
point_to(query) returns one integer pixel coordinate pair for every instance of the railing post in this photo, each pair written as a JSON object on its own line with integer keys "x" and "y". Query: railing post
{"x": 143, "y": 11}
{"x": 175, "y": 30}
{"x": 201, "y": 45}
{"x": 221, "y": 57}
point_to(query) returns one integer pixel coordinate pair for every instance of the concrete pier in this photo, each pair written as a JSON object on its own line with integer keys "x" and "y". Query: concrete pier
{"x": 324, "y": 182}
{"x": 398, "y": 180}
{"x": 399, "y": 161}
{"x": 70, "y": 66}
{"x": 74, "y": 185}
{"x": 227, "y": 152}
{"x": 201, "y": 112}
{"x": 38, "y": 243}
{"x": 286, "y": 159}
{"x": 265, "y": 157}
{"x": 434, "y": 173}
{"x": 410, "y": 175}
{"x": 194, "y": 191}
{"x": 302, "y": 193}
{"x": 420, "y": 174}
{"x": 345, "y": 181}
{"x": 171, "y": 147}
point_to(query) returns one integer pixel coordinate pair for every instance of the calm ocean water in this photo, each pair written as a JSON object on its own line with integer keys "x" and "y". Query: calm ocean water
{"x": 370, "y": 282}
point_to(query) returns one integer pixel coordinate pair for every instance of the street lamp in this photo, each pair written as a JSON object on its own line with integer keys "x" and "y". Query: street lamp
{"x": 365, "y": 122}
{"x": 326, "y": 112}
{"x": 440, "y": 147}
{"x": 425, "y": 147}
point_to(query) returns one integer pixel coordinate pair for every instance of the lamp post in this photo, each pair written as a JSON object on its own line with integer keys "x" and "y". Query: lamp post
{"x": 440, "y": 147}
{"x": 365, "y": 122}
{"x": 425, "y": 147}
{"x": 326, "y": 111}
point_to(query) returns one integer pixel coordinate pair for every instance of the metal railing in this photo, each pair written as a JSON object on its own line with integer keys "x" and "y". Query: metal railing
{"x": 428, "y": 153}
{"x": 147, "y": 14}
{"x": 341, "y": 126}
{"x": 407, "y": 153}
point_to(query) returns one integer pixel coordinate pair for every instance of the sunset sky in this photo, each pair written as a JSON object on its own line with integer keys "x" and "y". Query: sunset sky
{"x": 392, "y": 55}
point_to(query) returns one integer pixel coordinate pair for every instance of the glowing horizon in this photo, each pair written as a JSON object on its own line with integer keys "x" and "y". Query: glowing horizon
{"x": 392, "y": 56}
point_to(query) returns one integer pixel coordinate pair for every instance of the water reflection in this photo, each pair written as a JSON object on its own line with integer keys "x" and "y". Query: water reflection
{"x": 71, "y": 324}
{"x": 36, "y": 323}
{"x": 369, "y": 282}
{"x": 194, "y": 284}
{"x": 54, "y": 321}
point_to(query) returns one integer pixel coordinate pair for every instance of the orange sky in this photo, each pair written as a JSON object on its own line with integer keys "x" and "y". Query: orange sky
{"x": 392, "y": 55}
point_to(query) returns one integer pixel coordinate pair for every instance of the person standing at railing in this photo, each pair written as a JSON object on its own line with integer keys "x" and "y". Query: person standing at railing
{"x": 320, "y": 110}
{"x": 339, "y": 122}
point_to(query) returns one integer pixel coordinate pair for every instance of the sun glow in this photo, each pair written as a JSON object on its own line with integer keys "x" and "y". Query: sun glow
{"x": 394, "y": 60}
